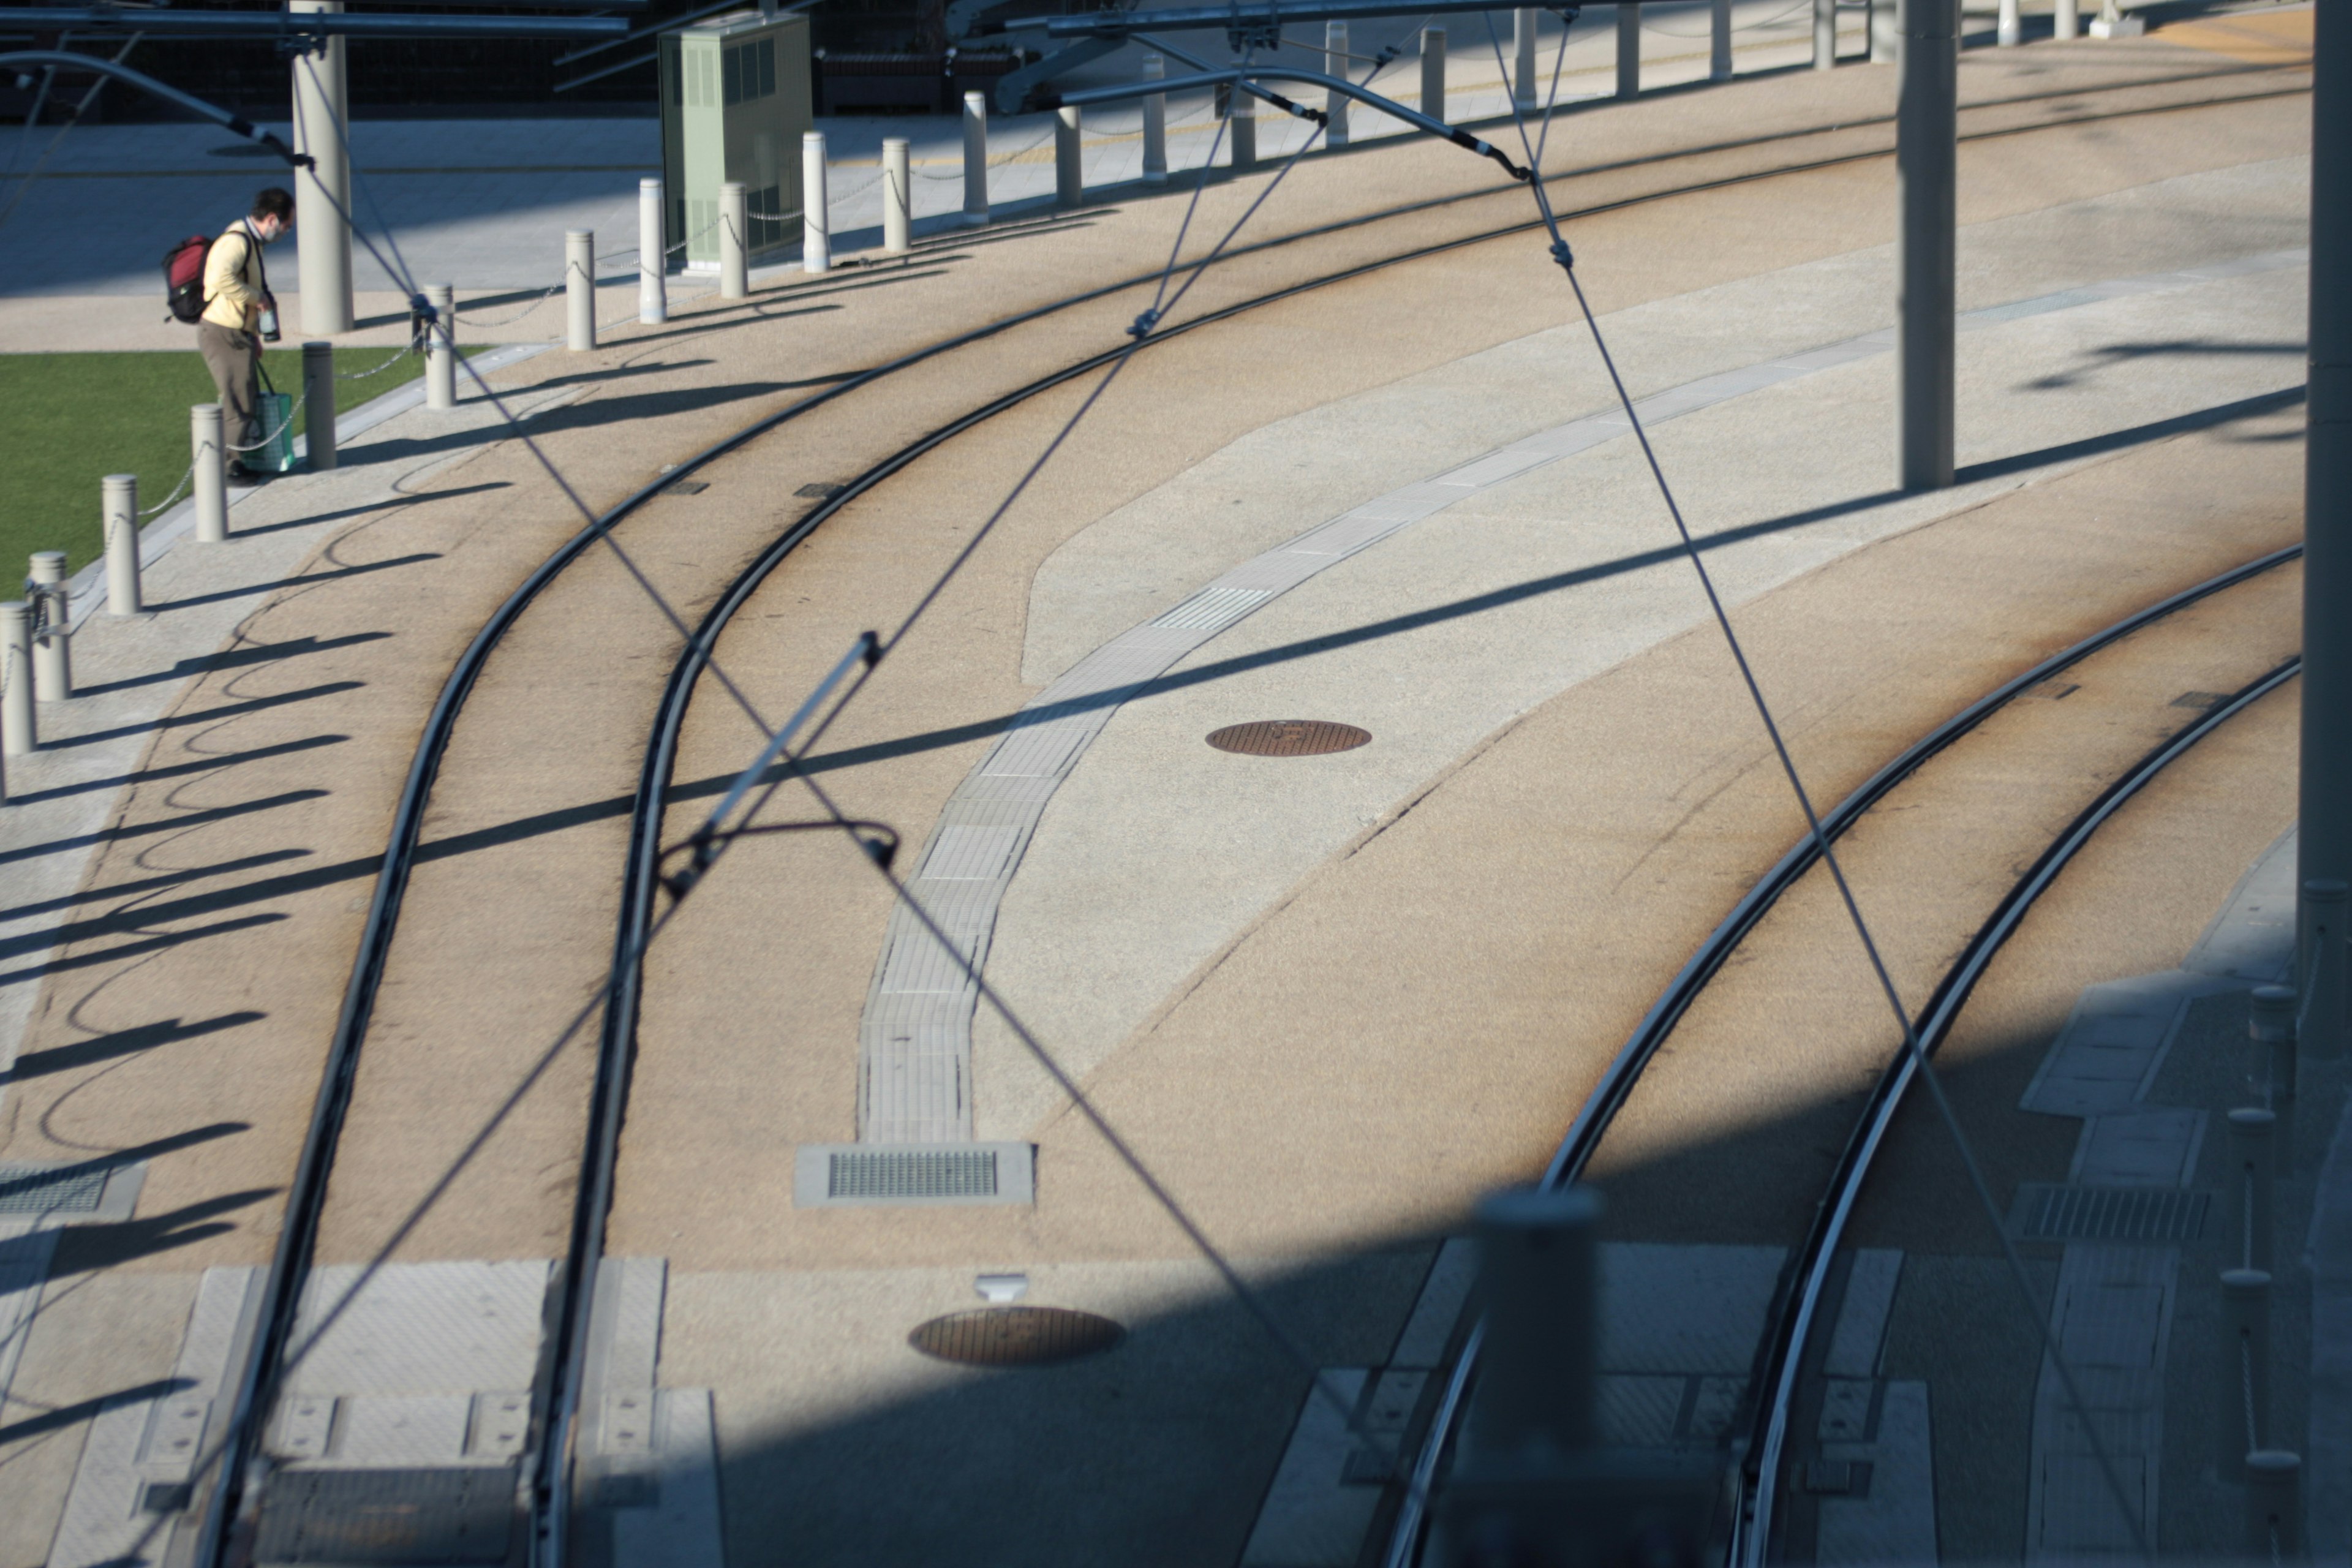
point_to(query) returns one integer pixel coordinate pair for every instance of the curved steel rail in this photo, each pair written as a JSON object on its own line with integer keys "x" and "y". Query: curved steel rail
{"x": 1617, "y": 1080}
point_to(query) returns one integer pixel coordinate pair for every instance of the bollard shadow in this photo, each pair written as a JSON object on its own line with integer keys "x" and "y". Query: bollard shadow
{"x": 372, "y": 509}
{"x": 87, "y": 1248}
{"x": 120, "y": 1043}
{"x": 175, "y": 824}
{"x": 591, "y": 414}
{"x": 2110, "y": 356}
{"x": 170, "y": 771}
{"x": 53, "y": 964}
{"x": 307, "y": 581}
{"x": 69, "y": 1416}
{"x": 235, "y": 658}
{"x": 209, "y": 715}
{"x": 149, "y": 884}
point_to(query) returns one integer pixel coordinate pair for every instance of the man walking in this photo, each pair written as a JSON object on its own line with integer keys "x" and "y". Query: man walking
{"x": 237, "y": 301}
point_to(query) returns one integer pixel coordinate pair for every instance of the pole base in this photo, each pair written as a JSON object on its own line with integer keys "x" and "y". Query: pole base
{"x": 2118, "y": 26}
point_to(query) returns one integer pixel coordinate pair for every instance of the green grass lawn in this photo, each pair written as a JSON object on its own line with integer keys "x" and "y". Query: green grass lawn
{"x": 77, "y": 418}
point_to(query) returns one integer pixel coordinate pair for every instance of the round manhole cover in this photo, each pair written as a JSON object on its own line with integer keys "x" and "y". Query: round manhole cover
{"x": 1015, "y": 1336}
{"x": 1288, "y": 738}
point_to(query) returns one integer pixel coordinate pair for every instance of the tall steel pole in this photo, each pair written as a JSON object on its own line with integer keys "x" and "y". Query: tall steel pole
{"x": 322, "y": 195}
{"x": 2325, "y": 849}
{"x": 1927, "y": 172}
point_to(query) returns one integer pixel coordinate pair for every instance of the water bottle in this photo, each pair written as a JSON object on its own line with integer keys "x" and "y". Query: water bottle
{"x": 269, "y": 317}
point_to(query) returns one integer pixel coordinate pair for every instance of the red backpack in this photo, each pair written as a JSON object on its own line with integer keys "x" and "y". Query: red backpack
{"x": 183, "y": 277}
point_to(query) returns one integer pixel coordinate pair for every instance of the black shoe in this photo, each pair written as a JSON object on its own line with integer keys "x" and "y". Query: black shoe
{"x": 242, "y": 477}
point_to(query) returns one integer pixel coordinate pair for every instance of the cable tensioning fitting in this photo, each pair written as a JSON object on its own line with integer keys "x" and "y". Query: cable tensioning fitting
{"x": 1487, "y": 150}
{"x": 1561, "y": 254}
{"x": 1143, "y": 326}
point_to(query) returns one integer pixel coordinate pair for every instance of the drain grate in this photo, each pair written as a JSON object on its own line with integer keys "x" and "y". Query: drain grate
{"x": 1288, "y": 738}
{"x": 51, "y": 1189}
{"x": 2158, "y": 1216}
{"x": 1015, "y": 1336}
{"x": 445, "y": 1514}
{"x": 912, "y": 1173}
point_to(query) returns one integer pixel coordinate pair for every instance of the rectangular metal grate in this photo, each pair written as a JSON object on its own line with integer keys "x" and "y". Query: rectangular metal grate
{"x": 2157, "y": 1216}
{"x": 51, "y": 1189}
{"x": 447, "y": 1514}
{"x": 912, "y": 1173}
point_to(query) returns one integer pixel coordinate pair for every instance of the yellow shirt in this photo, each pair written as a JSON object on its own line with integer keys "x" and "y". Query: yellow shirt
{"x": 232, "y": 278}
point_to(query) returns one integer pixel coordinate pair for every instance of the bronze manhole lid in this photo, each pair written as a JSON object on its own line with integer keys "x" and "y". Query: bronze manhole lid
{"x": 1015, "y": 1336}
{"x": 1288, "y": 738}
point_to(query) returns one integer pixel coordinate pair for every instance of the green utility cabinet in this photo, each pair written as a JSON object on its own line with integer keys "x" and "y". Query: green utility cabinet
{"x": 734, "y": 103}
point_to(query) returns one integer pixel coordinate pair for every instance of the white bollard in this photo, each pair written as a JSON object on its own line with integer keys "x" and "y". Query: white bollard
{"x": 17, "y": 735}
{"x": 2010, "y": 29}
{"x": 580, "y": 289}
{"x": 975, "y": 158}
{"x": 652, "y": 256}
{"x": 1525, "y": 93}
{"x": 1433, "y": 72}
{"x": 2251, "y": 1191}
{"x": 1825, "y": 35}
{"x": 1069, "y": 167}
{"x": 816, "y": 207}
{"x": 440, "y": 348}
{"x": 53, "y": 627}
{"x": 1155, "y": 123}
{"x": 734, "y": 243}
{"x": 2273, "y": 1506}
{"x": 1886, "y": 33}
{"x": 119, "y": 523}
{"x": 1335, "y": 63}
{"x": 1629, "y": 48}
{"x": 2242, "y": 1425}
{"x": 2067, "y": 19}
{"x": 2271, "y": 1066}
{"x": 2319, "y": 972}
{"x": 319, "y": 406}
{"x": 898, "y": 195}
{"x": 209, "y": 478}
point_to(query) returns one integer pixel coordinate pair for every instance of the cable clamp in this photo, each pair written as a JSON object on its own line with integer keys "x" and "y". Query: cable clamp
{"x": 1565, "y": 257}
{"x": 1143, "y": 326}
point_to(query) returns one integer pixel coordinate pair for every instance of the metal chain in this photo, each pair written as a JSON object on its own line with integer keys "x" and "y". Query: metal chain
{"x": 293, "y": 406}
{"x": 176, "y": 490}
{"x": 505, "y": 320}
{"x": 379, "y": 370}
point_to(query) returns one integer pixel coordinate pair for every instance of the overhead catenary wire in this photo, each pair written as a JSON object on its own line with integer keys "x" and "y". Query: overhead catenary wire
{"x": 1911, "y": 1047}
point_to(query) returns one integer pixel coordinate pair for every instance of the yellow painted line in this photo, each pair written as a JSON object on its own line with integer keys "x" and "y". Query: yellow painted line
{"x": 2276, "y": 38}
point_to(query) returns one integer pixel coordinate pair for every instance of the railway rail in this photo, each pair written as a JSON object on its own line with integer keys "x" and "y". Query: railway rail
{"x": 1796, "y": 1307}
{"x": 231, "y": 1496}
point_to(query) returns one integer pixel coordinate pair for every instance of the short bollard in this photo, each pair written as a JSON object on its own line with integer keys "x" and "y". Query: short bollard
{"x": 1825, "y": 35}
{"x": 1069, "y": 168}
{"x": 898, "y": 195}
{"x": 440, "y": 348}
{"x": 118, "y": 524}
{"x": 2251, "y": 1191}
{"x": 2271, "y": 1069}
{"x": 1526, "y": 91}
{"x": 1155, "y": 123}
{"x": 2273, "y": 1506}
{"x": 734, "y": 251}
{"x": 319, "y": 405}
{"x": 975, "y": 158}
{"x": 208, "y": 475}
{"x": 2243, "y": 1423}
{"x": 1629, "y": 48}
{"x": 816, "y": 207}
{"x": 2067, "y": 19}
{"x": 52, "y": 627}
{"x": 1241, "y": 132}
{"x": 2010, "y": 30}
{"x": 18, "y": 734}
{"x": 1885, "y": 25}
{"x": 1335, "y": 63}
{"x": 2319, "y": 972}
{"x": 1433, "y": 72}
{"x": 652, "y": 256}
{"x": 580, "y": 289}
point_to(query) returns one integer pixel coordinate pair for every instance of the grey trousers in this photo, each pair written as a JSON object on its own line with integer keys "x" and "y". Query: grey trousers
{"x": 235, "y": 359}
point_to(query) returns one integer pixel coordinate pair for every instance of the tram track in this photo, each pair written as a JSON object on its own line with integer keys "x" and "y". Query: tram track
{"x": 308, "y": 1192}
{"x": 1796, "y": 1306}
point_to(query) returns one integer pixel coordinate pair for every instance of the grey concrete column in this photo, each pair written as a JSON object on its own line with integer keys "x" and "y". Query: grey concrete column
{"x": 2273, "y": 1506}
{"x": 2250, "y": 1192}
{"x": 209, "y": 475}
{"x": 1719, "y": 48}
{"x": 53, "y": 636}
{"x": 579, "y": 289}
{"x": 322, "y": 195}
{"x": 975, "y": 157}
{"x": 2065, "y": 19}
{"x": 652, "y": 256}
{"x": 1927, "y": 169}
{"x": 1526, "y": 94}
{"x": 1069, "y": 165}
{"x": 1886, "y": 32}
{"x": 1335, "y": 63}
{"x": 1537, "y": 1277}
{"x": 2320, "y": 915}
{"x": 1825, "y": 35}
{"x": 18, "y": 735}
{"x": 734, "y": 241}
{"x": 1629, "y": 48}
{"x": 898, "y": 196}
{"x": 2245, "y": 1371}
{"x": 2324, "y": 851}
{"x": 2010, "y": 29}
{"x": 816, "y": 207}
{"x": 319, "y": 405}
{"x": 440, "y": 348}
{"x": 1433, "y": 72}
{"x": 1155, "y": 124}
{"x": 119, "y": 523}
